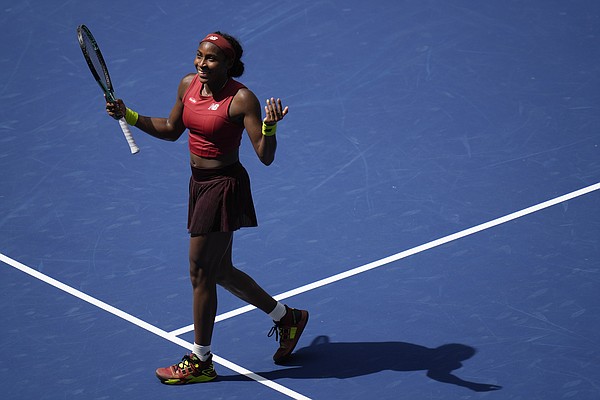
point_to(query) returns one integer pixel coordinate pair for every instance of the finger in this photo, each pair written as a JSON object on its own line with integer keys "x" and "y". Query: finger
{"x": 275, "y": 109}
{"x": 281, "y": 111}
{"x": 114, "y": 109}
{"x": 270, "y": 111}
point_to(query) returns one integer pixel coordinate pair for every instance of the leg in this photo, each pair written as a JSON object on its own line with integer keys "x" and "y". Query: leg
{"x": 243, "y": 286}
{"x": 207, "y": 254}
{"x": 287, "y": 330}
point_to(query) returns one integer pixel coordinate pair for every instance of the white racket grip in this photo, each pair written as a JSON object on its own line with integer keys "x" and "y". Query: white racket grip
{"x": 132, "y": 146}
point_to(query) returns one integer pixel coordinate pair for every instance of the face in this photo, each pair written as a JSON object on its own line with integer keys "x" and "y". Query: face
{"x": 211, "y": 63}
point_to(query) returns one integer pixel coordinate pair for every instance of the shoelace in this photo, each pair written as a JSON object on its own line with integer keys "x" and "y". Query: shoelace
{"x": 280, "y": 332}
{"x": 274, "y": 330}
{"x": 185, "y": 363}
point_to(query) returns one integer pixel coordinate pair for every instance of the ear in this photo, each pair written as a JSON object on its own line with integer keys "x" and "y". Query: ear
{"x": 230, "y": 63}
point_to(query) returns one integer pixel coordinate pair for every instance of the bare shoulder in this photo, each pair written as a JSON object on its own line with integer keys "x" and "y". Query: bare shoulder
{"x": 245, "y": 100}
{"x": 185, "y": 84}
{"x": 245, "y": 94}
{"x": 188, "y": 77}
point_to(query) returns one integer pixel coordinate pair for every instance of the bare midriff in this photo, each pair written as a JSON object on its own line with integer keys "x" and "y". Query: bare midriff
{"x": 214, "y": 163}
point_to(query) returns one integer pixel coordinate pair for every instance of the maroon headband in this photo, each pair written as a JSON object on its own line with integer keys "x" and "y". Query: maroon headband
{"x": 221, "y": 43}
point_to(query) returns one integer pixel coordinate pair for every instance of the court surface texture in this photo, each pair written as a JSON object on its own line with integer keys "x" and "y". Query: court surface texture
{"x": 434, "y": 201}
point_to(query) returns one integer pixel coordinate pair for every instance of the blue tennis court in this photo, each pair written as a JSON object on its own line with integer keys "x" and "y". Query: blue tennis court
{"x": 434, "y": 202}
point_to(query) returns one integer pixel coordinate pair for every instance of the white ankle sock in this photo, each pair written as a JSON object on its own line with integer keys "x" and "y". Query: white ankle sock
{"x": 278, "y": 312}
{"x": 202, "y": 352}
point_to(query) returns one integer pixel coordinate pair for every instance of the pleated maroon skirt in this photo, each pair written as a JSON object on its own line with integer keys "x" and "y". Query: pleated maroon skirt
{"x": 220, "y": 200}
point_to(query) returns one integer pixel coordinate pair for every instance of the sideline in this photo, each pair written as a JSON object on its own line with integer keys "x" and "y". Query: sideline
{"x": 404, "y": 254}
{"x": 173, "y": 335}
{"x": 144, "y": 325}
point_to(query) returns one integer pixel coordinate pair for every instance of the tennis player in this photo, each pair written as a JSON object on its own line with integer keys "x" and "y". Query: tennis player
{"x": 216, "y": 109}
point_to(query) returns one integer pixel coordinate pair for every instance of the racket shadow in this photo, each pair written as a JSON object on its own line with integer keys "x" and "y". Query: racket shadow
{"x": 324, "y": 360}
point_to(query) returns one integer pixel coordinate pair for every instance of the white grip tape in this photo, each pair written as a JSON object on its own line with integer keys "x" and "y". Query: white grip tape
{"x": 132, "y": 146}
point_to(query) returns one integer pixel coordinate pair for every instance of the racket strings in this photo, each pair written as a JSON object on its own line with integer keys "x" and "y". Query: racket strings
{"x": 97, "y": 63}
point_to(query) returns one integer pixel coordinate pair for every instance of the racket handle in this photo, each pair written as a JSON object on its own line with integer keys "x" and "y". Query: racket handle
{"x": 132, "y": 146}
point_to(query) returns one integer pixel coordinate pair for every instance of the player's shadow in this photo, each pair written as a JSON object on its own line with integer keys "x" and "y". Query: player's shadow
{"x": 324, "y": 359}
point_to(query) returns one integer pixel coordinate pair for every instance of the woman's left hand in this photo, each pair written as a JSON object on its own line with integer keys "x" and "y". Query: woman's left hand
{"x": 274, "y": 111}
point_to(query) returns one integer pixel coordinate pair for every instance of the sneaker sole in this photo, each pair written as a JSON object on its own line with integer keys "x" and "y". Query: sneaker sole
{"x": 175, "y": 381}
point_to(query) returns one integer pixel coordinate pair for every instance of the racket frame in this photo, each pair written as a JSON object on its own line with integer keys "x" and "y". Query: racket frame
{"x": 107, "y": 88}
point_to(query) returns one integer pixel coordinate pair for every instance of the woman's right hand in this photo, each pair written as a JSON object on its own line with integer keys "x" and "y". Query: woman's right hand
{"x": 116, "y": 109}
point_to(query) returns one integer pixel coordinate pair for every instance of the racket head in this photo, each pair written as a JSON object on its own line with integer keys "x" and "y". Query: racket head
{"x": 95, "y": 61}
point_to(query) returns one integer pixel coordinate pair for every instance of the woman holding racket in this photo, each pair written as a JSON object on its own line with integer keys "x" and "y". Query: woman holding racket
{"x": 216, "y": 109}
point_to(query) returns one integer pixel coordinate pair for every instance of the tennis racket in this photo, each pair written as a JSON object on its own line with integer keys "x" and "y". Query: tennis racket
{"x": 95, "y": 61}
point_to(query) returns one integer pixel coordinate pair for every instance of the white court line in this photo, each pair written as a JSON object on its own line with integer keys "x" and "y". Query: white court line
{"x": 172, "y": 336}
{"x": 150, "y": 328}
{"x": 404, "y": 254}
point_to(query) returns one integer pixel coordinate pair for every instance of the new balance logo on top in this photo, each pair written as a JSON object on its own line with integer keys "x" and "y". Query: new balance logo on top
{"x": 214, "y": 106}
{"x": 193, "y": 100}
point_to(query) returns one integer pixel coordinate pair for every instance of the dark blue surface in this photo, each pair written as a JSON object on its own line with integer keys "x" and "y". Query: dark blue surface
{"x": 409, "y": 121}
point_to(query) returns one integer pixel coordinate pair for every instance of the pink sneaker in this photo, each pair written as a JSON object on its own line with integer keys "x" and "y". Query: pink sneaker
{"x": 189, "y": 370}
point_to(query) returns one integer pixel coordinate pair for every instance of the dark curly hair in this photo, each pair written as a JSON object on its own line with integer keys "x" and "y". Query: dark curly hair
{"x": 237, "y": 69}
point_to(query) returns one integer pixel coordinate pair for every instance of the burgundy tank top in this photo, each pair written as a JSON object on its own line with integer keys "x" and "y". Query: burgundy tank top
{"x": 211, "y": 132}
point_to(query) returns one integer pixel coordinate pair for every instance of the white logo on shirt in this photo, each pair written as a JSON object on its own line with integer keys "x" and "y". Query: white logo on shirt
{"x": 193, "y": 100}
{"x": 214, "y": 106}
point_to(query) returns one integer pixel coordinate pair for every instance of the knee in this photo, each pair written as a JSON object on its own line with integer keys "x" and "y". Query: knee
{"x": 201, "y": 275}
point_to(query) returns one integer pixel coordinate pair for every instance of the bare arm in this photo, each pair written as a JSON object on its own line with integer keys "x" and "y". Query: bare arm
{"x": 247, "y": 105}
{"x": 170, "y": 128}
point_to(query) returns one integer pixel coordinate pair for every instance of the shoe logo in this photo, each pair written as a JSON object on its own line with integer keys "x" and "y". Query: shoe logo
{"x": 193, "y": 100}
{"x": 214, "y": 106}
